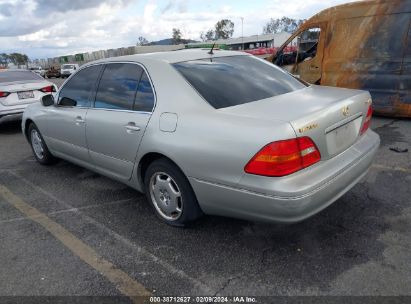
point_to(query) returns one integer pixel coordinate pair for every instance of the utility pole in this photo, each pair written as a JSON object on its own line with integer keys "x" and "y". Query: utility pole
{"x": 242, "y": 33}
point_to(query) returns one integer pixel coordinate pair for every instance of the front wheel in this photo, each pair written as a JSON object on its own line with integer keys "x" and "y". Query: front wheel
{"x": 170, "y": 193}
{"x": 40, "y": 150}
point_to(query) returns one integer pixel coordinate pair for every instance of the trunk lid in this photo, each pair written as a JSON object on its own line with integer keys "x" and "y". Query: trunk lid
{"x": 22, "y": 86}
{"x": 331, "y": 117}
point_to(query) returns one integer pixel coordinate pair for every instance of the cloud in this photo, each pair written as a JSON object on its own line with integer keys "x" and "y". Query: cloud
{"x": 49, "y": 28}
{"x": 179, "y": 5}
{"x": 18, "y": 18}
{"x": 29, "y": 16}
{"x": 47, "y": 6}
{"x": 5, "y": 9}
{"x": 168, "y": 7}
{"x": 60, "y": 33}
{"x": 37, "y": 36}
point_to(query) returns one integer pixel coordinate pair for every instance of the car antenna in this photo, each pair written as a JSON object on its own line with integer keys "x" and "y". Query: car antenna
{"x": 212, "y": 48}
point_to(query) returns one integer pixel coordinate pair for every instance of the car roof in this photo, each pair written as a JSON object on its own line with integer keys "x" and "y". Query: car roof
{"x": 173, "y": 56}
{"x": 364, "y": 8}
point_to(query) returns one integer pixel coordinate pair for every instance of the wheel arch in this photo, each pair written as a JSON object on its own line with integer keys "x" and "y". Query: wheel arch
{"x": 26, "y": 127}
{"x": 146, "y": 160}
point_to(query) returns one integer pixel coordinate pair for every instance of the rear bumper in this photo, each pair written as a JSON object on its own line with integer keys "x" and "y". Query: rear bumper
{"x": 10, "y": 114}
{"x": 11, "y": 117}
{"x": 16, "y": 108}
{"x": 292, "y": 198}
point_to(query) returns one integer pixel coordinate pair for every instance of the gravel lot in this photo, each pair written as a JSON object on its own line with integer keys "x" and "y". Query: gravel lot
{"x": 361, "y": 245}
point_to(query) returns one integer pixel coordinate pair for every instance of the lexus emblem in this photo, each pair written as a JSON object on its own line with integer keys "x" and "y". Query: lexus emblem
{"x": 345, "y": 110}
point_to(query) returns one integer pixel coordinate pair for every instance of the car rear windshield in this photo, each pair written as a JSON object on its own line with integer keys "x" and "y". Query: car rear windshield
{"x": 230, "y": 81}
{"x": 12, "y": 76}
{"x": 67, "y": 66}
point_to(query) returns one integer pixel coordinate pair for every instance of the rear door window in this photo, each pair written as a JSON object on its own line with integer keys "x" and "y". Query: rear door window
{"x": 302, "y": 48}
{"x": 118, "y": 86}
{"x": 145, "y": 96}
{"x": 230, "y": 81}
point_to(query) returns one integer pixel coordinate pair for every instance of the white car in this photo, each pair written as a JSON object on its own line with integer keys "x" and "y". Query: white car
{"x": 38, "y": 70}
{"x": 68, "y": 69}
{"x": 18, "y": 89}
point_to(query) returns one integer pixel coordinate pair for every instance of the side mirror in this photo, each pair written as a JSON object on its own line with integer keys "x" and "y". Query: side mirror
{"x": 47, "y": 100}
{"x": 67, "y": 102}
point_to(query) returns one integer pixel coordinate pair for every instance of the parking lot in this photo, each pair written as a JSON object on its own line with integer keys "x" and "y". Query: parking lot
{"x": 68, "y": 231}
{"x": 58, "y": 81}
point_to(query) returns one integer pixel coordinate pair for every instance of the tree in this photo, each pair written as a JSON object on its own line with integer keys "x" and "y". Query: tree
{"x": 176, "y": 36}
{"x": 284, "y": 24}
{"x": 224, "y": 29}
{"x": 4, "y": 60}
{"x": 209, "y": 35}
{"x": 18, "y": 59}
{"x": 142, "y": 41}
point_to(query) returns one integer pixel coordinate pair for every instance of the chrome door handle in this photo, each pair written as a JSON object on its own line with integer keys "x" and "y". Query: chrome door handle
{"x": 131, "y": 126}
{"x": 79, "y": 120}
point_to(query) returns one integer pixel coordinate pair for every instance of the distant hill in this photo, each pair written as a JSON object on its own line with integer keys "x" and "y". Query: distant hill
{"x": 169, "y": 41}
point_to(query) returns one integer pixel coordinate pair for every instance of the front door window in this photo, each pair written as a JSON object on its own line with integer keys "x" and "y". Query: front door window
{"x": 302, "y": 48}
{"x": 303, "y": 55}
{"x": 308, "y": 43}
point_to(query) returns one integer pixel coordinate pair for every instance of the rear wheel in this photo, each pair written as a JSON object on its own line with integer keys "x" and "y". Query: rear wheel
{"x": 40, "y": 150}
{"x": 170, "y": 193}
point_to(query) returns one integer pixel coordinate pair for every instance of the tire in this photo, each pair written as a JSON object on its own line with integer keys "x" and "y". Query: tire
{"x": 170, "y": 194}
{"x": 39, "y": 147}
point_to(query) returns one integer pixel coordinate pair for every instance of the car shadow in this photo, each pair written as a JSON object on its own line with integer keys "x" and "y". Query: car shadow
{"x": 306, "y": 255}
{"x": 257, "y": 258}
{"x": 10, "y": 127}
{"x": 311, "y": 254}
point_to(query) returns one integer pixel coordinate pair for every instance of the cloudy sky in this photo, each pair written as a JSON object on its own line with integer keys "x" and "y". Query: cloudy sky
{"x": 48, "y": 28}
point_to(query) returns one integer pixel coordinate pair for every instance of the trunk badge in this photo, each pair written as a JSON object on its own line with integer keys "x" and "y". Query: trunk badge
{"x": 346, "y": 110}
{"x": 308, "y": 128}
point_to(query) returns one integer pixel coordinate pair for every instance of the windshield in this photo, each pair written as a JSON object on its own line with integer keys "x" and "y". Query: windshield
{"x": 11, "y": 76}
{"x": 67, "y": 66}
{"x": 230, "y": 81}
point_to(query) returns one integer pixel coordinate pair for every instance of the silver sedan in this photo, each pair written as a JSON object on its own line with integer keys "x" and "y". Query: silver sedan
{"x": 217, "y": 132}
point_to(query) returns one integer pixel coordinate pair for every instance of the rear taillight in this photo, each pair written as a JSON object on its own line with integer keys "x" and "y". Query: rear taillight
{"x": 284, "y": 157}
{"x": 367, "y": 121}
{"x": 4, "y": 94}
{"x": 49, "y": 89}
